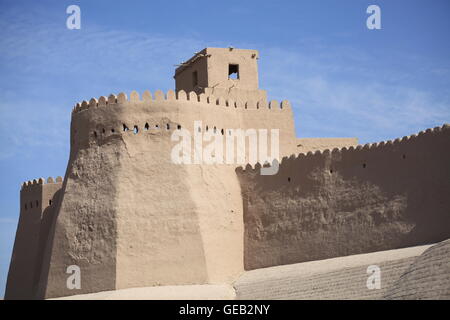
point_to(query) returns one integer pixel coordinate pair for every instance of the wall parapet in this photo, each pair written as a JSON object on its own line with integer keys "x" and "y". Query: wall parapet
{"x": 368, "y": 146}
{"x": 181, "y": 95}
{"x": 41, "y": 181}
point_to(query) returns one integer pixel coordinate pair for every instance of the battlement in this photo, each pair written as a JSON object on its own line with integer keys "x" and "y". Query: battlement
{"x": 105, "y": 120}
{"x": 445, "y": 128}
{"x": 41, "y": 181}
{"x": 181, "y": 95}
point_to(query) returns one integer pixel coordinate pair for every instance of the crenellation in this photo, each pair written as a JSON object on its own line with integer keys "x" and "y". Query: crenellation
{"x": 170, "y": 95}
{"x": 41, "y": 181}
{"x": 102, "y": 101}
{"x": 399, "y": 142}
{"x": 181, "y": 95}
{"x": 134, "y": 96}
{"x": 112, "y": 99}
{"x": 147, "y": 96}
{"x": 84, "y": 105}
{"x": 202, "y": 98}
{"x": 159, "y": 95}
{"x": 122, "y": 98}
{"x": 193, "y": 96}
{"x": 93, "y": 103}
{"x": 285, "y": 104}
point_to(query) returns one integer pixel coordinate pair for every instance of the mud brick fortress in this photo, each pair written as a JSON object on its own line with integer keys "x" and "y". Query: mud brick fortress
{"x": 129, "y": 217}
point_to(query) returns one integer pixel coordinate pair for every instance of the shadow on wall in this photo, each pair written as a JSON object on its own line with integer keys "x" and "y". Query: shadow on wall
{"x": 45, "y": 245}
{"x": 349, "y": 201}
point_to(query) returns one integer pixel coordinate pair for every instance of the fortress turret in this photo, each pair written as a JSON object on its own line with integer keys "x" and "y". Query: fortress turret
{"x": 37, "y": 202}
{"x": 225, "y": 72}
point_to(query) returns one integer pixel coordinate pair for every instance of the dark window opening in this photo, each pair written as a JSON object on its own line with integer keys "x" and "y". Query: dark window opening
{"x": 135, "y": 129}
{"x": 95, "y": 134}
{"x": 103, "y": 130}
{"x": 37, "y": 203}
{"x": 168, "y": 126}
{"x": 404, "y": 156}
{"x": 289, "y": 179}
{"x": 146, "y": 127}
{"x": 112, "y": 130}
{"x": 194, "y": 78}
{"x": 215, "y": 129}
{"x": 364, "y": 165}
{"x": 49, "y": 202}
{"x": 178, "y": 127}
{"x": 206, "y": 128}
{"x": 157, "y": 126}
{"x": 221, "y": 131}
{"x": 331, "y": 170}
{"x": 125, "y": 128}
{"x": 233, "y": 71}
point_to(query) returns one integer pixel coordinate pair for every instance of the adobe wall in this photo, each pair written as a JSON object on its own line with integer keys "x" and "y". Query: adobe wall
{"x": 183, "y": 74}
{"x": 304, "y": 145}
{"x": 37, "y": 200}
{"x": 375, "y": 197}
{"x": 130, "y": 217}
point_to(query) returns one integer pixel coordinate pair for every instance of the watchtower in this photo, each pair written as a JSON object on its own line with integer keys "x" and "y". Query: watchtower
{"x": 37, "y": 208}
{"x": 225, "y": 72}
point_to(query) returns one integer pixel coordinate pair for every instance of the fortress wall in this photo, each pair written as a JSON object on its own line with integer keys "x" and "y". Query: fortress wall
{"x": 375, "y": 197}
{"x": 304, "y": 145}
{"x": 35, "y": 212}
{"x": 130, "y": 216}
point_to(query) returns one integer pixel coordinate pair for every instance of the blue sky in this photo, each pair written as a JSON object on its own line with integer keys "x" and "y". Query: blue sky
{"x": 342, "y": 79}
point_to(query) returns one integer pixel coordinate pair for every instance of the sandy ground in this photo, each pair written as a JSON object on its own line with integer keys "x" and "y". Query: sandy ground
{"x": 227, "y": 292}
{"x": 192, "y": 292}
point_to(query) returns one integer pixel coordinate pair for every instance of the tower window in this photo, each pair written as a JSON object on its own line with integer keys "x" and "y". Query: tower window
{"x": 194, "y": 78}
{"x": 233, "y": 71}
